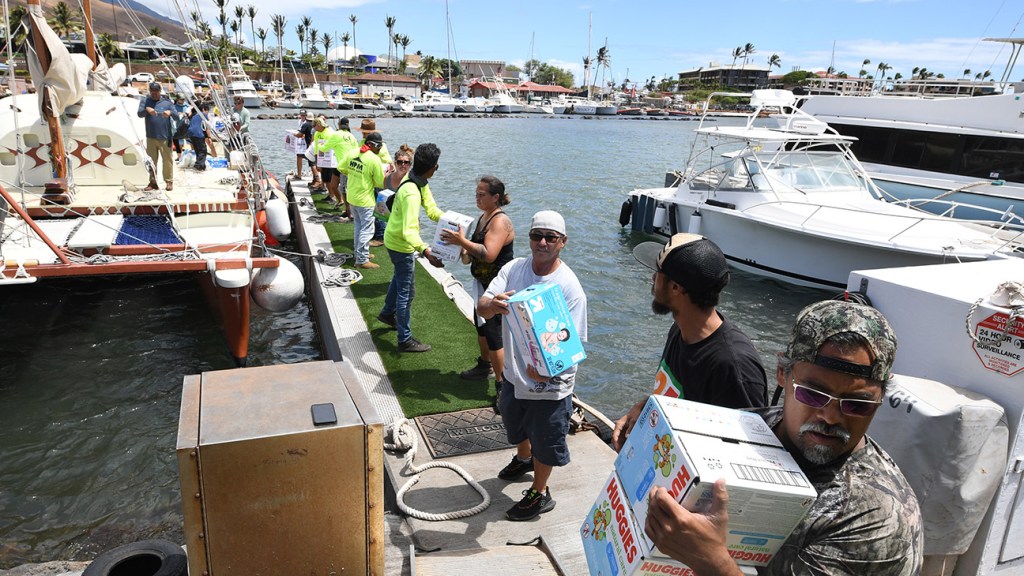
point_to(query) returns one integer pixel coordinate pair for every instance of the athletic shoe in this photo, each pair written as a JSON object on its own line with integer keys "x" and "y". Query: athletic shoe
{"x": 482, "y": 371}
{"x": 413, "y": 345}
{"x": 388, "y": 319}
{"x": 532, "y": 505}
{"x": 516, "y": 468}
{"x": 367, "y": 265}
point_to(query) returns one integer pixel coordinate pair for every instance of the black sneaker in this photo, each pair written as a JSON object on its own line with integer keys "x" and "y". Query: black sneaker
{"x": 532, "y": 505}
{"x": 388, "y": 319}
{"x": 482, "y": 371}
{"x": 413, "y": 345}
{"x": 516, "y": 468}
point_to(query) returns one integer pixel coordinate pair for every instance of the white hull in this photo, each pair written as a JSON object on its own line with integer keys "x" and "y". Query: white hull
{"x": 314, "y": 104}
{"x": 607, "y": 110}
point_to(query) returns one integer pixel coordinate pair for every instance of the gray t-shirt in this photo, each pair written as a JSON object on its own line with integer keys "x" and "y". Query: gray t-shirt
{"x": 517, "y": 275}
{"x": 865, "y": 521}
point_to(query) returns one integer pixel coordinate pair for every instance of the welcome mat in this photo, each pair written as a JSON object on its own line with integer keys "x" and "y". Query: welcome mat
{"x": 465, "y": 432}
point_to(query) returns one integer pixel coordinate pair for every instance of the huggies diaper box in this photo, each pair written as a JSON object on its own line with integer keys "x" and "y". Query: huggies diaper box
{"x": 543, "y": 330}
{"x": 450, "y": 221}
{"x": 615, "y": 544}
{"x": 686, "y": 446}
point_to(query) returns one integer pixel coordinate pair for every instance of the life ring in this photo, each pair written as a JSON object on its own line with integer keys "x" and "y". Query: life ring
{"x": 625, "y": 212}
{"x": 145, "y": 558}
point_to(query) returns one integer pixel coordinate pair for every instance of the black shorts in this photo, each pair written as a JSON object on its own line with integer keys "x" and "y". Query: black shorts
{"x": 491, "y": 331}
{"x": 326, "y": 174}
{"x": 312, "y": 163}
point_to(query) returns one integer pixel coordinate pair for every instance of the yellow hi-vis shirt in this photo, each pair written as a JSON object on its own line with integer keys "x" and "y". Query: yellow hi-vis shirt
{"x": 403, "y": 231}
{"x": 365, "y": 173}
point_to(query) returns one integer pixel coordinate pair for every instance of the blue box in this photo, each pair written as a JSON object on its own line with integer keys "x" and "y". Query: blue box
{"x": 543, "y": 330}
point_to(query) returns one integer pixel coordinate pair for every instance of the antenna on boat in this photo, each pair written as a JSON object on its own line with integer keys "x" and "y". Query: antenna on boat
{"x": 1015, "y": 48}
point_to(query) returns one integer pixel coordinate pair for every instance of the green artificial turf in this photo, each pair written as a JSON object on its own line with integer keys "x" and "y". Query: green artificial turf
{"x": 425, "y": 383}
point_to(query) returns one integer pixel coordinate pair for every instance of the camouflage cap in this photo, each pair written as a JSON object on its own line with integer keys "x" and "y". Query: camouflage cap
{"x": 820, "y": 321}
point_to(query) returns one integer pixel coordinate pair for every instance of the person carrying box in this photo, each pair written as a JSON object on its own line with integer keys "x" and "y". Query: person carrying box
{"x": 535, "y": 409}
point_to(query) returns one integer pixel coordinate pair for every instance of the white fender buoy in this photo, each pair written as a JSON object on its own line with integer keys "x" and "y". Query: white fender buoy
{"x": 660, "y": 217}
{"x": 693, "y": 226}
{"x": 277, "y": 289}
{"x": 277, "y": 218}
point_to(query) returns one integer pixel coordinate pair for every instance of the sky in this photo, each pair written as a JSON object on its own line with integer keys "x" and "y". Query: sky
{"x": 648, "y": 38}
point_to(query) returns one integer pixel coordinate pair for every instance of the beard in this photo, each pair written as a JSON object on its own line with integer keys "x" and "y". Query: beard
{"x": 659, "y": 308}
{"x": 820, "y": 453}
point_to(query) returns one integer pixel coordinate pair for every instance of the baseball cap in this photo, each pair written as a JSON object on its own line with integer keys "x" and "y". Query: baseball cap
{"x": 690, "y": 260}
{"x": 343, "y": 122}
{"x": 155, "y": 86}
{"x": 374, "y": 138}
{"x": 303, "y": 113}
{"x": 548, "y": 220}
{"x": 822, "y": 320}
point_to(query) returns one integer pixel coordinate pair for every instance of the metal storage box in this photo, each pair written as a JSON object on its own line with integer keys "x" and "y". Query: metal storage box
{"x": 265, "y": 491}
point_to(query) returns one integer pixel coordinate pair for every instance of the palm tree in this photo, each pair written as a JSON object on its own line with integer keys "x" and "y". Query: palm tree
{"x": 307, "y": 23}
{"x": 864, "y": 65}
{"x": 748, "y": 51}
{"x": 389, "y": 23}
{"x": 300, "y": 31}
{"x": 586, "y": 73}
{"x": 261, "y": 33}
{"x": 430, "y": 68}
{"x": 986, "y": 74}
{"x": 222, "y": 18}
{"x": 913, "y": 73}
{"x": 604, "y": 60}
{"x": 352, "y": 18}
{"x": 64, "y": 21}
{"x": 154, "y": 31}
{"x": 251, "y": 11}
{"x": 326, "y": 40}
{"x": 405, "y": 44}
{"x": 108, "y": 46}
{"x": 234, "y": 31}
{"x": 314, "y": 35}
{"x": 239, "y": 15}
{"x": 967, "y": 72}
{"x": 278, "y": 23}
{"x": 344, "y": 40}
{"x": 774, "y": 62}
{"x": 882, "y": 69}
{"x": 16, "y": 14}
{"x": 736, "y": 53}
{"x": 196, "y": 17}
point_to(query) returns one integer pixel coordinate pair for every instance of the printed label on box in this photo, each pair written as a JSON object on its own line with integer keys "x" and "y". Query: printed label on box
{"x": 449, "y": 221}
{"x": 542, "y": 329}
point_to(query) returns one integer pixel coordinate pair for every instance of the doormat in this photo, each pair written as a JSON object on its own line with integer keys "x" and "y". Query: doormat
{"x": 465, "y": 432}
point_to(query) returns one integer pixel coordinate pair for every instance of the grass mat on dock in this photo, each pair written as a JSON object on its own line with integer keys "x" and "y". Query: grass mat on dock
{"x": 425, "y": 383}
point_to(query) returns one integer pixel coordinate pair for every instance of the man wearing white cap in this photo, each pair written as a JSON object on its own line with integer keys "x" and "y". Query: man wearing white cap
{"x": 535, "y": 409}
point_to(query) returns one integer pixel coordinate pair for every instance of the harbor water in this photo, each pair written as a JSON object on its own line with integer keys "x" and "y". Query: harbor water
{"x": 91, "y": 371}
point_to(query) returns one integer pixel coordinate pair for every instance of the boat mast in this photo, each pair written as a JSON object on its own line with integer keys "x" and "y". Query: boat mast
{"x": 90, "y": 40}
{"x": 448, "y": 42}
{"x": 586, "y": 69}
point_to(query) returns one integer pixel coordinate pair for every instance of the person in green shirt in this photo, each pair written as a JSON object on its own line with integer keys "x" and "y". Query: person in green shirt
{"x": 363, "y": 170}
{"x": 402, "y": 239}
{"x": 343, "y": 143}
{"x": 329, "y": 175}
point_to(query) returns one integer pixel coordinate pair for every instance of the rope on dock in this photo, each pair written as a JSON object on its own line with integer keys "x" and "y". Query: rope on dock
{"x": 404, "y": 438}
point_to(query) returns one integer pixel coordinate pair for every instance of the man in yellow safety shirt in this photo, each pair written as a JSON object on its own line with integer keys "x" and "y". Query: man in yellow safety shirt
{"x": 364, "y": 173}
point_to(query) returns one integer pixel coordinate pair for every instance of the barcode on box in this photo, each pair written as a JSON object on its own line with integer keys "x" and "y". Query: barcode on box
{"x": 769, "y": 475}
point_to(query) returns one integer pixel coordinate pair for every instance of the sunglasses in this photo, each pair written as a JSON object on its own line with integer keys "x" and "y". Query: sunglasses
{"x": 818, "y": 399}
{"x": 403, "y": 162}
{"x": 551, "y": 238}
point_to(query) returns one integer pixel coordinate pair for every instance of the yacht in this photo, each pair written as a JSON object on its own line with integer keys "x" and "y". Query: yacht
{"x": 239, "y": 85}
{"x": 312, "y": 97}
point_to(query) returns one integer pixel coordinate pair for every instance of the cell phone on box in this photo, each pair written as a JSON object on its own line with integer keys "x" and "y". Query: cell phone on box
{"x": 323, "y": 414}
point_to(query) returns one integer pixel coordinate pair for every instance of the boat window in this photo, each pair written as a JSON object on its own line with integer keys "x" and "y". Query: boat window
{"x": 129, "y": 159}
{"x": 1001, "y": 158}
{"x": 103, "y": 141}
{"x": 31, "y": 140}
{"x": 812, "y": 171}
{"x": 7, "y": 159}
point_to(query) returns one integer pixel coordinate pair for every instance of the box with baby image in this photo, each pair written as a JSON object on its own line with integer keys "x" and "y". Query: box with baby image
{"x": 685, "y": 447}
{"x": 615, "y": 544}
{"x": 449, "y": 221}
{"x": 543, "y": 330}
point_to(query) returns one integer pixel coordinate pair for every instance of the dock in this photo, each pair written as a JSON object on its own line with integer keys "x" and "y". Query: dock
{"x": 451, "y": 547}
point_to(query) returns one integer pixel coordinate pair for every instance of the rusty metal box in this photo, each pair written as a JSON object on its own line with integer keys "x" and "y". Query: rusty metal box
{"x": 266, "y": 491}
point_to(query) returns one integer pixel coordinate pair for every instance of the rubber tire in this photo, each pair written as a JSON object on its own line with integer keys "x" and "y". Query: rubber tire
{"x": 145, "y": 558}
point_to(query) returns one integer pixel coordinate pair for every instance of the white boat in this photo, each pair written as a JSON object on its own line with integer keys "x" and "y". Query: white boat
{"x": 239, "y": 85}
{"x": 792, "y": 202}
{"x": 577, "y": 105}
{"x": 399, "y": 104}
{"x": 953, "y": 416}
{"x": 72, "y": 180}
{"x": 958, "y": 140}
{"x": 607, "y": 109}
{"x": 436, "y": 102}
{"x": 339, "y": 103}
{"x": 312, "y": 97}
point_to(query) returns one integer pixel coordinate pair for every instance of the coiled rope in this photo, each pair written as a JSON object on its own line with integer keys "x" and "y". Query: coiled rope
{"x": 404, "y": 438}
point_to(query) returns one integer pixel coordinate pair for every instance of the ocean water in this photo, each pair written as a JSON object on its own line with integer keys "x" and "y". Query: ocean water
{"x": 91, "y": 371}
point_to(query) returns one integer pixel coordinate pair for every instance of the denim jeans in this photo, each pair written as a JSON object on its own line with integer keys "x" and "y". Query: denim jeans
{"x": 362, "y": 220}
{"x": 199, "y": 145}
{"x": 401, "y": 291}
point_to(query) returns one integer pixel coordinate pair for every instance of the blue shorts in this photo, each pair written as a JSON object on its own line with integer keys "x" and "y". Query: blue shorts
{"x": 545, "y": 423}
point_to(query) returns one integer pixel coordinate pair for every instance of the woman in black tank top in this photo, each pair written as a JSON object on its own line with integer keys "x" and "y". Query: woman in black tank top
{"x": 486, "y": 251}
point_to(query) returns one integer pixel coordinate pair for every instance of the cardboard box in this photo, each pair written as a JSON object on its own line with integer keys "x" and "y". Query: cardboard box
{"x": 614, "y": 543}
{"x": 449, "y": 221}
{"x": 685, "y": 447}
{"x": 543, "y": 330}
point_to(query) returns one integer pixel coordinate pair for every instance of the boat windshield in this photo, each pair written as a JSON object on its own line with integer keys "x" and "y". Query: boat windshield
{"x": 783, "y": 171}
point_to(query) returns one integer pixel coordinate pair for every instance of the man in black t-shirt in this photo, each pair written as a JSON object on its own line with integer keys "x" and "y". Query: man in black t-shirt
{"x": 707, "y": 358}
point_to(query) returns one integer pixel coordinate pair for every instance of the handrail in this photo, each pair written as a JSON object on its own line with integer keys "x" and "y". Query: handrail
{"x": 1014, "y": 242}
{"x": 33, "y": 225}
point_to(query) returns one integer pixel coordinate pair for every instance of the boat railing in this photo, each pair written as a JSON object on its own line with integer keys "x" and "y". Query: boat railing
{"x": 1000, "y": 218}
{"x": 1006, "y": 235}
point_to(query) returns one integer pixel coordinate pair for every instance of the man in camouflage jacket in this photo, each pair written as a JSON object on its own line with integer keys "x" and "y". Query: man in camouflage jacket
{"x": 866, "y": 518}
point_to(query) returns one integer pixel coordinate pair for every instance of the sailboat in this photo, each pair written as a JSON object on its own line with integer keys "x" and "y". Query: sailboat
{"x": 72, "y": 170}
